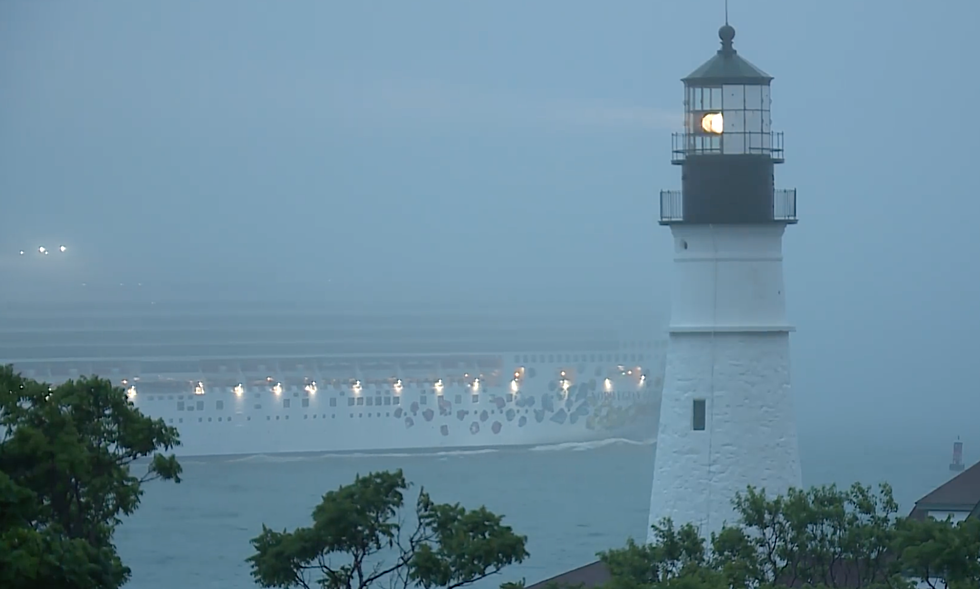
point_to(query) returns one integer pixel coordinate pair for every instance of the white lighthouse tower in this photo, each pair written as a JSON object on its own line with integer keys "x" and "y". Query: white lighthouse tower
{"x": 727, "y": 418}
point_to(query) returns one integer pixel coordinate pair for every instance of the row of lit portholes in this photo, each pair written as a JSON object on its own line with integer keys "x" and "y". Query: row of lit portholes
{"x": 357, "y": 387}
{"x": 564, "y": 382}
{"x": 397, "y": 384}
{"x": 239, "y": 389}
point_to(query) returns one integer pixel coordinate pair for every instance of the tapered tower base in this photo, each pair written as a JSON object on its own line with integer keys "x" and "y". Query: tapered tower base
{"x": 749, "y": 435}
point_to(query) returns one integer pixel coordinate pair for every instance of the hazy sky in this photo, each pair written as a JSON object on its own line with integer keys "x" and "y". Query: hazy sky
{"x": 509, "y": 148}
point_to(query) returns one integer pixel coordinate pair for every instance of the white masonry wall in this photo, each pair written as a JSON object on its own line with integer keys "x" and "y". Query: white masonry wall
{"x": 728, "y": 277}
{"x": 729, "y": 345}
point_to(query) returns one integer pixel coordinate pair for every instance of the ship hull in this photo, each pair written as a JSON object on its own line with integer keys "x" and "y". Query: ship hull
{"x": 245, "y": 441}
{"x": 240, "y": 381}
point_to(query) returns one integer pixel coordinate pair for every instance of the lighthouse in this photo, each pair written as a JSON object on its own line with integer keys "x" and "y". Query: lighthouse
{"x": 726, "y": 419}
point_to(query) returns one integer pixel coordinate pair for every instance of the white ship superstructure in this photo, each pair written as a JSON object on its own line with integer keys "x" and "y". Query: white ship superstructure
{"x": 275, "y": 381}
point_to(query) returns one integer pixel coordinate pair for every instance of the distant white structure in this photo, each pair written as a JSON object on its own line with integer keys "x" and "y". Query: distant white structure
{"x": 727, "y": 418}
{"x": 956, "y": 465}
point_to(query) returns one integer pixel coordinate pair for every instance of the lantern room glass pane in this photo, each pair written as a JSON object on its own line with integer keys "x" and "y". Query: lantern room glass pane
{"x": 704, "y": 99}
{"x": 734, "y": 98}
{"x": 692, "y": 122}
{"x": 746, "y": 116}
{"x": 699, "y": 101}
{"x": 753, "y": 98}
{"x": 733, "y": 142}
{"x": 715, "y": 99}
{"x": 703, "y": 144}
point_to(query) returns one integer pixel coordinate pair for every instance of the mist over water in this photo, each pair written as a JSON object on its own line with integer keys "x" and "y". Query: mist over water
{"x": 572, "y": 500}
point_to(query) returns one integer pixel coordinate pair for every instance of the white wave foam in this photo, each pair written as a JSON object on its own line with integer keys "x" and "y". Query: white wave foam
{"x": 419, "y": 454}
{"x": 267, "y": 458}
{"x": 441, "y": 454}
{"x": 593, "y": 445}
{"x": 262, "y": 458}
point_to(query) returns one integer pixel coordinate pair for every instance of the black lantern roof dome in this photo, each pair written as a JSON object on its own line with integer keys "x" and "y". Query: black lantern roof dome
{"x": 727, "y": 66}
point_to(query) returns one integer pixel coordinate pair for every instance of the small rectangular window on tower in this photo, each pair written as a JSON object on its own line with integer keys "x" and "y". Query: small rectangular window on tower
{"x": 700, "y": 411}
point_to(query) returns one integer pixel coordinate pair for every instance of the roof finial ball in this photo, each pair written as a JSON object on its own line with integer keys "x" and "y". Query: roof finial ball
{"x": 726, "y": 33}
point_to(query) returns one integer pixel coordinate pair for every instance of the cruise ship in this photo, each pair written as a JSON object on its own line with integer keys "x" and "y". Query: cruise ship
{"x": 267, "y": 380}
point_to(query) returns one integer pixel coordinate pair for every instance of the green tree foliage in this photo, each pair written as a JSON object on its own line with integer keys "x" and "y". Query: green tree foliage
{"x": 677, "y": 559}
{"x": 65, "y": 479}
{"x": 942, "y": 554}
{"x": 360, "y": 538}
{"x": 824, "y": 537}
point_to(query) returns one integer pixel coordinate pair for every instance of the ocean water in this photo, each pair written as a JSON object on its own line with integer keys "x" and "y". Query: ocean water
{"x": 571, "y": 500}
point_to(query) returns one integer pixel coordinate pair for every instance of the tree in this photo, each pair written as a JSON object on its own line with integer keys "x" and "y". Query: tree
{"x": 66, "y": 454}
{"x": 941, "y": 554}
{"x": 358, "y": 539}
{"x": 823, "y": 537}
{"x": 676, "y": 559}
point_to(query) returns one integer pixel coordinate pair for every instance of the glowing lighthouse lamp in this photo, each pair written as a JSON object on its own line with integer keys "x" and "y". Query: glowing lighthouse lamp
{"x": 713, "y": 122}
{"x": 726, "y": 418}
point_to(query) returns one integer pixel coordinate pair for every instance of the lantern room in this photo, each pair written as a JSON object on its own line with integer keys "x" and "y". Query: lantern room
{"x": 726, "y": 104}
{"x": 727, "y": 149}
